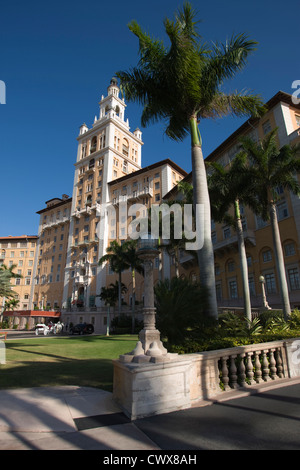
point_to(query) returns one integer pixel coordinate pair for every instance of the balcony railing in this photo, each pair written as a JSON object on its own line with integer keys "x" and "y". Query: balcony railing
{"x": 137, "y": 194}
{"x": 243, "y": 367}
{"x": 229, "y": 242}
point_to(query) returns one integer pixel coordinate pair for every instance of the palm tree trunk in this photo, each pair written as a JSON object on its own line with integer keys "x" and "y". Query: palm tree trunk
{"x": 133, "y": 302}
{"x": 279, "y": 262}
{"x": 201, "y": 196}
{"x": 243, "y": 261}
{"x": 176, "y": 256}
{"x": 120, "y": 293}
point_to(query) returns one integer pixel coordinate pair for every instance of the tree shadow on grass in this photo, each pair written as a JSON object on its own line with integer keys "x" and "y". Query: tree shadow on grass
{"x": 96, "y": 373}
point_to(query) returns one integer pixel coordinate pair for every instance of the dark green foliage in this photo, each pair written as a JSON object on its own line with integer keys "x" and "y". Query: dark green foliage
{"x": 180, "y": 306}
{"x": 123, "y": 325}
{"x": 233, "y": 330}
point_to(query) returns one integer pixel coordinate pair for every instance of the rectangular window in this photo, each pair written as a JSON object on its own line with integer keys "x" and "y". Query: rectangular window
{"x": 297, "y": 120}
{"x": 260, "y": 223}
{"x": 251, "y": 285}
{"x": 282, "y": 211}
{"x": 266, "y": 127}
{"x": 226, "y": 232}
{"x": 219, "y": 291}
{"x": 293, "y": 276}
{"x": 233, "y": 293}
{"x": 270, "y": 283}
{"x": 244, "y": 224}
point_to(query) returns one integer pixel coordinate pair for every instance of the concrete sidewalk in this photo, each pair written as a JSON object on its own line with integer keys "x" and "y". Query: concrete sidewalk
{"x": 83, "y": 418}
{"x": 66, "y": 418}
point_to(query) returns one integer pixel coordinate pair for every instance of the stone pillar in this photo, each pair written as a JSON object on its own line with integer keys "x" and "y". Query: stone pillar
{"x": 149, "y": 346}
{"x": 149, "y": 380}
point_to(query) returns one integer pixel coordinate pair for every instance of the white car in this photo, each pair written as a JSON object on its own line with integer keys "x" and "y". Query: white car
{"x": 42, "y": 329}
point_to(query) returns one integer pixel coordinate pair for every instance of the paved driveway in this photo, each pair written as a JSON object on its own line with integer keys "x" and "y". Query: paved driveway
{"x": 267, "y": 420}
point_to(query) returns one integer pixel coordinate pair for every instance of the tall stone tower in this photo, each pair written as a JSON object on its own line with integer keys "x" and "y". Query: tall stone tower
{"x": 106, "y": 151}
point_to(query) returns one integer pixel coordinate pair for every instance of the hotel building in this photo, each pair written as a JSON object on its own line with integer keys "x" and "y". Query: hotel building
{"x": 284, "y": 115}
{"x": 19, "y": 253}
{"x": 74, "y": 232}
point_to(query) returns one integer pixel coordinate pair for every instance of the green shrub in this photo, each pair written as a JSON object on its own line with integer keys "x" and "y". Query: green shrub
{"x": 180, "y": 307}
{"x": 295, "y": 319}
{"x": 122, "y": 325}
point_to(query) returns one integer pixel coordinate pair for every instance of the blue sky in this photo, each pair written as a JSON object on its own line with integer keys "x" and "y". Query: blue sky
{"x": 57, "y": 58}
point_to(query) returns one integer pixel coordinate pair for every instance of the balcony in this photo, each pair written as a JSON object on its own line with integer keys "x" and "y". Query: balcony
{"x": 134, "y": 195}
{"x": 294, "y": 135}
{"x": 82, "y": 279}
{"x": 231, "y": 243}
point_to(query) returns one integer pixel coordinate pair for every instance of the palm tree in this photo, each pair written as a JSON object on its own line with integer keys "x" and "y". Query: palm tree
{"x": 110, "y": 295}
{"x": 11, "y": 304}
{"x": 115, "y": 255}
{"x": 5, "y": 286}
{"x": 181, "y": 86}
{"x": 135, "y": 263}
{"x": 227, "y": 189}
{"x": 271, "y": 168}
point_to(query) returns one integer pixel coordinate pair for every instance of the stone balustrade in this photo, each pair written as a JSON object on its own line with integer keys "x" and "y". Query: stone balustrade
{"x": 148, "y": 388}
{"x": 213, "y": 372}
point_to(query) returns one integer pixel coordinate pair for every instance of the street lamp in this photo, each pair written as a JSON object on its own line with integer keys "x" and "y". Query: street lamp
{"x": 149, "y": 336}
{"x": 265, "y": 303}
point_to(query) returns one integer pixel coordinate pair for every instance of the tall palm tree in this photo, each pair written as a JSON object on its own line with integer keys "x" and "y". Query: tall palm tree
{"x": 181, "y": 85}
{"x": 271, "y": 168}
{"x": 110, "y": 295}
{"x": 115, "y": 256}
{"x": 228, "y": 188}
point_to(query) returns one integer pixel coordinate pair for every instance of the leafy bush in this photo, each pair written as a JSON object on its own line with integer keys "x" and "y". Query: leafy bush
{"x": 234, "y": 330}
{"x": 295, "y": 319}
{"x": 123, "y": 323}
{"x": 180, "y": 307}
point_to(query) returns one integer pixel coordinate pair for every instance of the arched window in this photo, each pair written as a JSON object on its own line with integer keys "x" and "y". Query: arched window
{"x": 289, "y": 248}
{"x": 93, "y": 144}
{"x": 125, "y": 147}
{"x": 230, "y": 266}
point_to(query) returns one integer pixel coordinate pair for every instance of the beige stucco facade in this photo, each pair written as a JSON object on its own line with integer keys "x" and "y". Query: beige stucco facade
{"x": 285, "y": 115}
{"x": 109, "y": 182}
{"x": 19, "y": 253}
{"x": 51, "y": 253}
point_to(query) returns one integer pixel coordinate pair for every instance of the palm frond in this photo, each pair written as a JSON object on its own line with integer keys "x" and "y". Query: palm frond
{"x": 230, "y": 57}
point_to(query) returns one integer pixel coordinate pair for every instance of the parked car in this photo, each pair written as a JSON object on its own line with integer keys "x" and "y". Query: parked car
{"x": 82, "y": 329}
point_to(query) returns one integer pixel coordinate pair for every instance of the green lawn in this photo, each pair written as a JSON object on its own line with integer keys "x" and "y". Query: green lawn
{"x": 63, "y": 360}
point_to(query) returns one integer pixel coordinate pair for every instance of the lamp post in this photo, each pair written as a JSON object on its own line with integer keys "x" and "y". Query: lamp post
{"x": 149, "y": 336}
{"x": 265, "y": 303}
